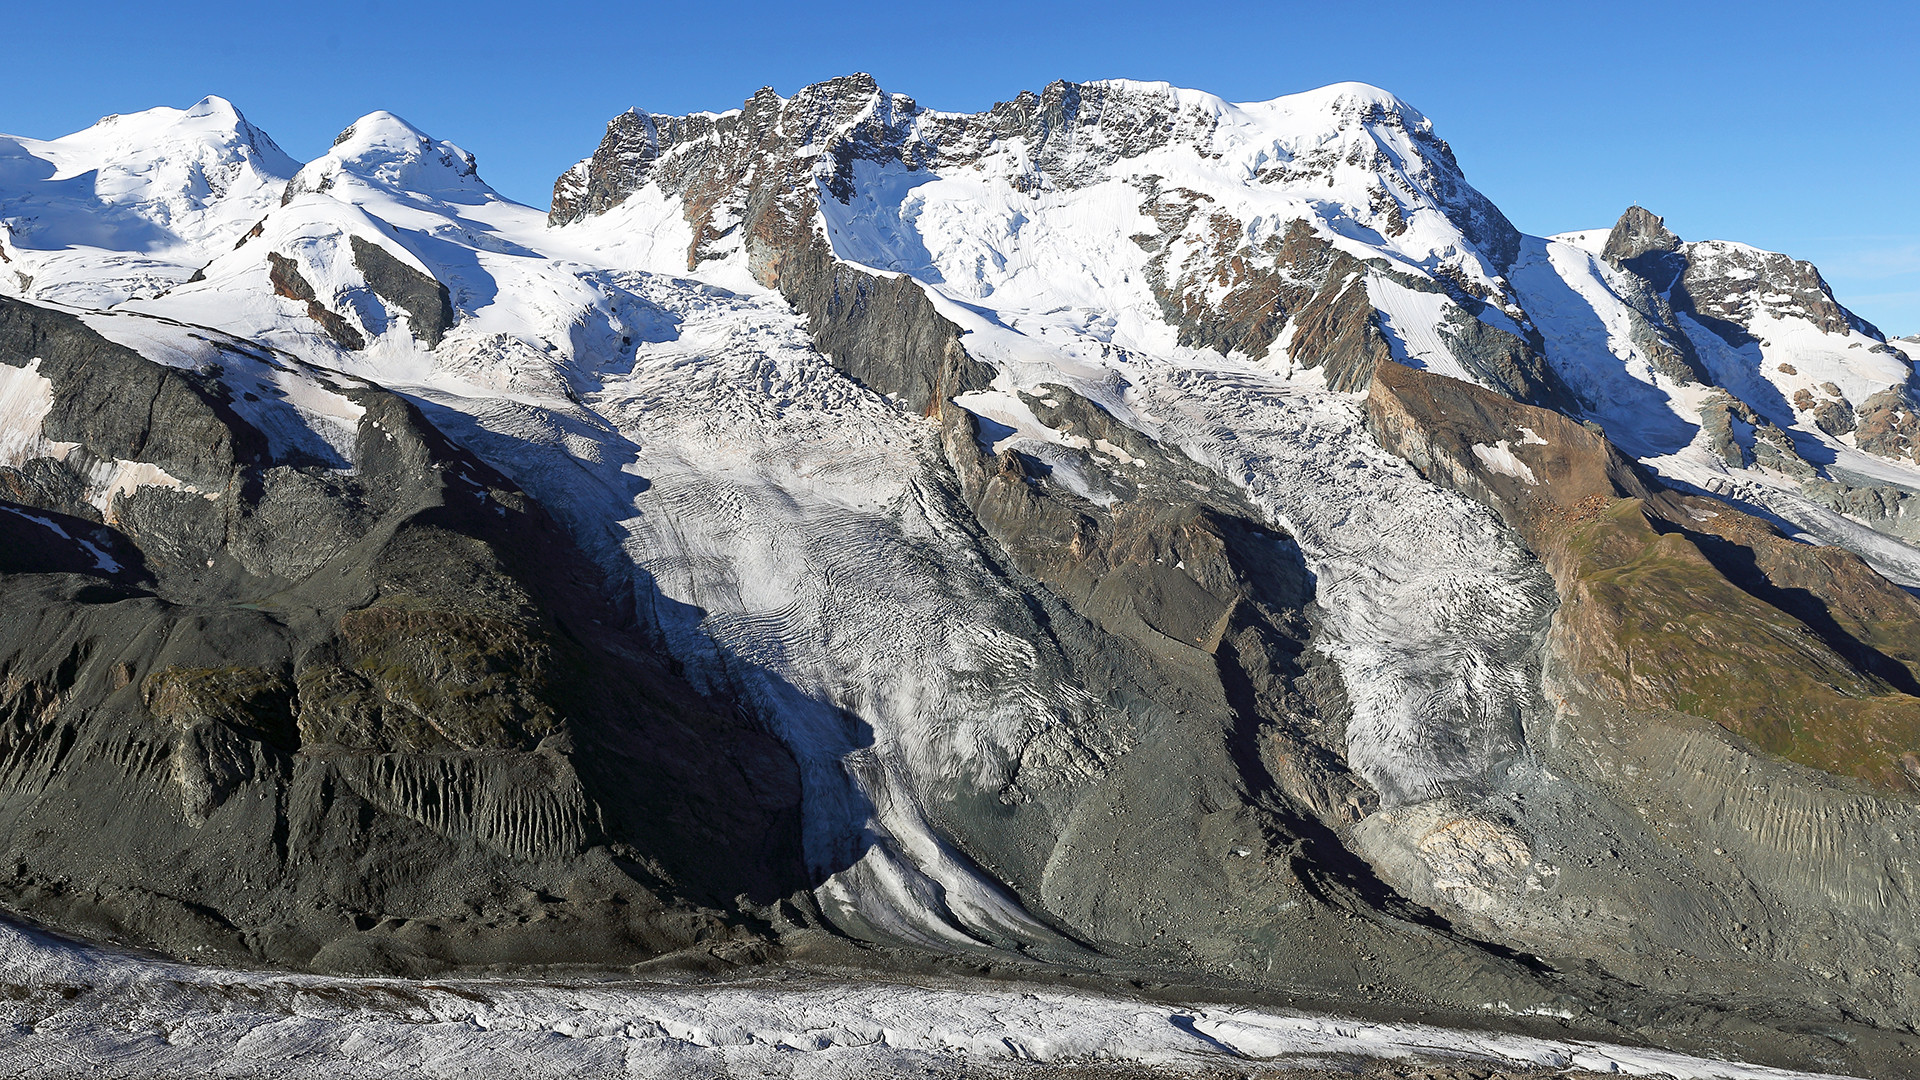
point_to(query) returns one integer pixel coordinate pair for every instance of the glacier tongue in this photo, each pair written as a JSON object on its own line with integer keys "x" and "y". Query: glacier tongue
{"x": 805, "y": 558}
{"x": 1429, "y": 608}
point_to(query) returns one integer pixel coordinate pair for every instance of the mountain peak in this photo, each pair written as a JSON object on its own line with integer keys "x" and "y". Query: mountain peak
{"x": 1641, "y": 242}
{"x": 177, "y": 185}
{"x": 210, "y": 128}
{"x": 381, "y": 127}
{"x": 384, "y": 150}
{"x": 1638, "y": 232}
{"x": 214, "y": 105}
{"x": 1361, "y": 95}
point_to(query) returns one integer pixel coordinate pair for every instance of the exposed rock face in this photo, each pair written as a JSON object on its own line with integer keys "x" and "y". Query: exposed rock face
{"x": 1640, "y": 242}
{"x": 1641, "y": 245}
{"x": 1263, "y": 288}
{"x": 428, "y": 306}
{"x": 1805, "y": 651}
{"x": 1338, "y": 329}
{"x": 1889, "y": 425}
{"x": 1179, "y": 568}
{"x": 1718, "y": 288}
{"x": 1503, "y": 360}
{"x": 387, "y": 737}
{"x": 1220, "y": 727}
{"x": 1889, "y": 509}
{"x": 1742, "y": 438}
{"x": 882, "y": 331}
{"x": 616, "y": 170}
{"x": 1303, "y": 281}
{"x": 288, "y": 282}
{"x": 1831, "y": 411}
{"x": 186, "y": 425}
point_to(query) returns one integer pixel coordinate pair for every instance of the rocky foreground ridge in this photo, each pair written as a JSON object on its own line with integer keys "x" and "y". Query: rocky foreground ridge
{"x": 1121, "y": 532}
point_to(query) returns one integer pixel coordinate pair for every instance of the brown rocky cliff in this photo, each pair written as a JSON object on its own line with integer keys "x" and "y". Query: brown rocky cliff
{"x": 1678, "y": 602}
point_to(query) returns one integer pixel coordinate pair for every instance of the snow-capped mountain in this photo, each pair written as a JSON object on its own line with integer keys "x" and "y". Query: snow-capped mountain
{"x": 1170, "y": 212}
{"x": 133, "y": 205}
{"x": 1118, "y": 531}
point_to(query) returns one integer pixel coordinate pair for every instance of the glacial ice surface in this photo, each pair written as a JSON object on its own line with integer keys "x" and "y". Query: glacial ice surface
{"x": 81, "y": 1011}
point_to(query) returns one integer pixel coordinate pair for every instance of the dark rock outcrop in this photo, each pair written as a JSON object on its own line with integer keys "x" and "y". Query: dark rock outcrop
{"x": 1831, "y": 411}
{"x": 617, "y": 169}
{"x": 1338, "y": 329}
{"x": 1889, "y": 425}
{"x": 881, "y": 331}
{"x": 1642, "y": 246}
{"x": 1892, "y": 510}
{"x": 412, "y": 734}
{"x": 426, "y": 301}
{"x": 1640, "y": 242}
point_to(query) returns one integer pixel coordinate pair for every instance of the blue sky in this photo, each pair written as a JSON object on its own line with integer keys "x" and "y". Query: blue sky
{"x": 1794, "y": 127}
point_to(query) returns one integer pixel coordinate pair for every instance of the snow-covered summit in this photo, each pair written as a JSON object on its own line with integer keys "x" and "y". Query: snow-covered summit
{"x": 389, "y": 256}
{"x": 383, "y": 150}
{"x": 1314, "y": 232}
{"x": 1153, "y": 196}
{"x": 1345, "y": 104}
{"x": 134, "y": 204}
{"x": 159, "y": 162}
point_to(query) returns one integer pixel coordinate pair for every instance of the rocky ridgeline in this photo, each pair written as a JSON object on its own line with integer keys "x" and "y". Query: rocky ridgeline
{"x": 389, "y": 684}
{"x": 751, "y": 180}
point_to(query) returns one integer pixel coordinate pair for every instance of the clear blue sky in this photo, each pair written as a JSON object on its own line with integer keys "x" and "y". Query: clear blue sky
{"x": 1794, "y": 127}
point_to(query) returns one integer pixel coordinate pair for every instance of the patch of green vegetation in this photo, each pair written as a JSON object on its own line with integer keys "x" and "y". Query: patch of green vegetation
{"x": 422, "y": 675}
{"x": 257, "y": 704}
{"x": 1655, "y": 621}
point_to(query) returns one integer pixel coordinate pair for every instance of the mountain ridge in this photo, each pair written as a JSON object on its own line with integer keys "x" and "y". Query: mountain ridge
{"x": 1112, "y": 487}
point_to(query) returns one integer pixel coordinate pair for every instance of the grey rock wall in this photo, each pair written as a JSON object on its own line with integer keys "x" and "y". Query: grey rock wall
{"x": 405, "y": 734}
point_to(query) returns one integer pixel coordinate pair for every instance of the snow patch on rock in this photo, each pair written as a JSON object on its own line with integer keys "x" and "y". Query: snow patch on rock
{"x": 1499, "y": 458}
